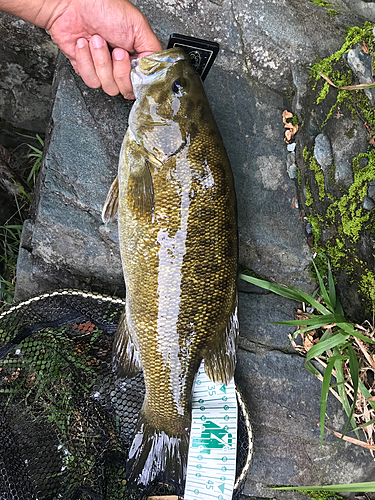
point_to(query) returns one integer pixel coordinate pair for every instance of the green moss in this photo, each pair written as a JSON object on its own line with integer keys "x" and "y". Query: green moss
{"x": 349, "y": 208}
{"x": 305, "y": 154}
{"x": 367, "y": 285}
{"x": 341, "y": 78}
{"x": 321, "y": 263}
{"x": 350, "y": 132}
{"x": 319, "y": 177}
{"x": 309, "y": 197}
{"x": 326, "y": 5}
{"x": 345, "y": 218}
{"x": 340, "y": 255}
{"x": 315, "y": 226}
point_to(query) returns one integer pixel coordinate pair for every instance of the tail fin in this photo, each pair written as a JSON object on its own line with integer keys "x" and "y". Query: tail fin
{"x": 155, "y": 457}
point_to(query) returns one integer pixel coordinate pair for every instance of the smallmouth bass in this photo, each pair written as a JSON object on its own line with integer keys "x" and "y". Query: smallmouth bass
{"x": 178, "y": 240}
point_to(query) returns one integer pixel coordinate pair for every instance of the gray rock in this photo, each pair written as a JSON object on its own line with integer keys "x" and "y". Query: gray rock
{"x": 371, "y": 190}
{"x": 361, "y": 65}
{"x": 69, "y": 243}
{"x": 27, "y": 57}
{"x": 282, "y": 398}
{"x": 348, "y": 140}
{"x": 291, "y": 166}
{"x": 368, "y": 203}
{"x": 323, "y": 152}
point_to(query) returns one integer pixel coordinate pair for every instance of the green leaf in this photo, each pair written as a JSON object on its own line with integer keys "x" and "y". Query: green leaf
{"x": 366, "y": 394}
{"x": 289, "y": 292}
{"x": 370, "y": 422}
{"x": 354, "y": 371}
{"x": 341, "y": 389}
{"x": 311, "y": 369}
{"x": 324, "y": 394}
{"x": 332, "y": 289}
{"x": 323, "y": 289}
{"x": 273, "y": 287}
{"x": 330, "y": 343}
{"x": 316, "y": 320}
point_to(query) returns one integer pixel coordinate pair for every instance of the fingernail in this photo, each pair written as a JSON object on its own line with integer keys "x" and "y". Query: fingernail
{"x": 81, "y": 42}
{"x": 118, "y": 54}
{"x": 97, "y": 41}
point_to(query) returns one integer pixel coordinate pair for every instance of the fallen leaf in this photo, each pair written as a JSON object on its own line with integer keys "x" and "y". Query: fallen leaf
{"x": 287, "y": 114}
{"x": 348, "y": 87}
{"x": 327, "y": 79}
{"x": 292, "y": 128}
{"x": 365, "y": 48}
{"x": 351, "y": 440}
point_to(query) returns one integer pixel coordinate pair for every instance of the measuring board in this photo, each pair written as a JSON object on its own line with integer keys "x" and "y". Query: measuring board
{"x": 211, "y": 468}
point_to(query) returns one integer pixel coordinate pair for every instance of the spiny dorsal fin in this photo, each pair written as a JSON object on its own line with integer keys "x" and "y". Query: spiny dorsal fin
{"x": 111, "y": 203}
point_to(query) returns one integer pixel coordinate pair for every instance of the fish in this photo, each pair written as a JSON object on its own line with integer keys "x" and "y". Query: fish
{"x": 177, "y": 220}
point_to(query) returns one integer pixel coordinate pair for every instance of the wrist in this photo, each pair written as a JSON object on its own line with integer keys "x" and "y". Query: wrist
{"x": 42, "y": 13}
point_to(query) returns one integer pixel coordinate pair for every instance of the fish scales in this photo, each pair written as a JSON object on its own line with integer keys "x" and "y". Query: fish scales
{"x": 178, "y": 241}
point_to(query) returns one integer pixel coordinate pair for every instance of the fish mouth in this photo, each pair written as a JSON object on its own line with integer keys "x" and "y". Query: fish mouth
{"x": 157, "y": 63}
{"x": 148, "y": 69}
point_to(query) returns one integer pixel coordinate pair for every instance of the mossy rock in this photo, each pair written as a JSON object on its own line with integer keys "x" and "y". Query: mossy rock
{"x": 332, "y": 197}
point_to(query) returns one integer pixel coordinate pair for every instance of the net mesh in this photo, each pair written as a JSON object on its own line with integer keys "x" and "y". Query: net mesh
{"x": 66, "y": 421}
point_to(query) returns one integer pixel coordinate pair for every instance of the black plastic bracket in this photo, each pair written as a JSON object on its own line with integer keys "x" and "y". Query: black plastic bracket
{"x": 202, "y": 52}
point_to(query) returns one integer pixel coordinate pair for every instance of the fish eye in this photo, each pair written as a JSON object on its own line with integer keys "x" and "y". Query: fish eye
{"x": 177, "y": 86}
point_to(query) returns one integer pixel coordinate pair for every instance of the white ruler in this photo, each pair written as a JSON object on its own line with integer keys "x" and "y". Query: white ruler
{"x": 211, "y": 468}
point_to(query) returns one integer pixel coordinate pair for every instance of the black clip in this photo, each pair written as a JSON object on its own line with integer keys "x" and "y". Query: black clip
{"x": 202, "y": 52}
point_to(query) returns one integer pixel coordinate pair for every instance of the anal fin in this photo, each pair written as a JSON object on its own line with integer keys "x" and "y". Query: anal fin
{"x": 111, "y": 203}
{"x": 220, "y": 360}
{"x": 126, "y": 359}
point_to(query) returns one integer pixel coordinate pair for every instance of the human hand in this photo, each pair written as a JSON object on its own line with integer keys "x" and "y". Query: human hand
{"x": 85, "y": 29}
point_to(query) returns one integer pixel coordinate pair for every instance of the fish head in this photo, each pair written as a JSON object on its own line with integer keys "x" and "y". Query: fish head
{"x": 168, "y": 92}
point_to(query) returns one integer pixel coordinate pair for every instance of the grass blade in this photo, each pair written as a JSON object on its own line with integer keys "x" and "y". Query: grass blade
{"x": 366, "y": 394}
{"x": 332, "y": 289}
{"x": 289, "y": 292}
{"x": 330, "y": 343}
{"x": 354, "y": 487}
{"x": 315, "y": 321}
{"x": 354, "y": 371}
{"x": 341, "y": 389}
{"x": 324, "y": 394}
{"x": 273, "y": 287}
{"x": 323, "y": 289}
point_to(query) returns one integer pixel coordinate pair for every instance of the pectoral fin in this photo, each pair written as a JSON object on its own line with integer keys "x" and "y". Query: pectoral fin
{"x": 126, "y": 359}
{"x": 220, "y": 361}
{"x": 140, "y": 191}
{"x": 111, "y": 203}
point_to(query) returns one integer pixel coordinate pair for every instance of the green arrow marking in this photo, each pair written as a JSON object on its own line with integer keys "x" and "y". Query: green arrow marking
{"x": 222, "y": 487}
{"x": 224, "y": 389}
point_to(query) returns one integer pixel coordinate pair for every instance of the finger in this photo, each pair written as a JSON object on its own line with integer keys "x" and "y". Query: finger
{"x": 103, "y": 64}
{"x": 121, "y": 72}
{"x": 146, "y": 42}
{"x": 85, "y": 65}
